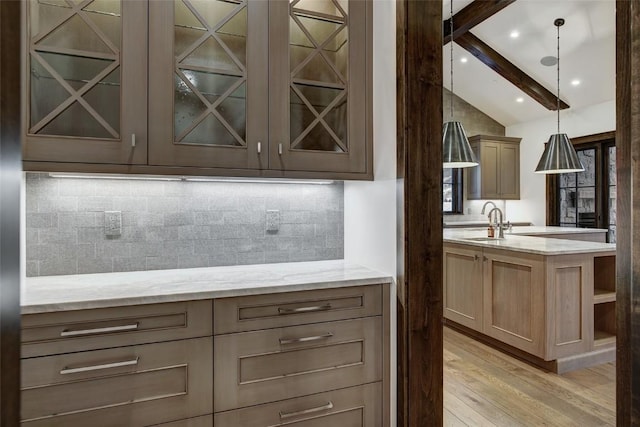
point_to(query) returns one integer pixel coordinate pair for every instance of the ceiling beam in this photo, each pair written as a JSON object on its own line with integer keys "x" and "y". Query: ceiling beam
{"x": 471, "y": 15}
{"x": 506, "y": 69}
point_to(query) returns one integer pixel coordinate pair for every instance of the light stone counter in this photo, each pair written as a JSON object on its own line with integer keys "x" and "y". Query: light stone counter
{"x": 541, "y": 230}
{"x": 528, "y": 244}
{"x": 85, "y": 291}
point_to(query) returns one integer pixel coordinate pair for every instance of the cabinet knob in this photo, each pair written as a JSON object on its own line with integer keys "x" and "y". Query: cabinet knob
{"x": 259, "y": 147}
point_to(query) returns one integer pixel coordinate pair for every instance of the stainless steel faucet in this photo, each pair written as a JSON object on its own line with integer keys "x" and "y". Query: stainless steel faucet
{"x": 485, "y": 206}
{"x": 500, "y": 224}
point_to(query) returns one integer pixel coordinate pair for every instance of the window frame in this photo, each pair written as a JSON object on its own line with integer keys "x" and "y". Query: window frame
{"x": 457, "y": 192}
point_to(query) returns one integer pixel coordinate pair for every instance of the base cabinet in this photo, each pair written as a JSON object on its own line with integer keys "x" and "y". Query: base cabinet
{"x": 310, "y": 358}
{"x": 462, "y": 277}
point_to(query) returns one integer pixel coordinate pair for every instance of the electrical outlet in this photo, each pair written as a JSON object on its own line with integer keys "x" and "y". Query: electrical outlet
{"x": 273, "y": 221}
{"x": 112, "y": 223}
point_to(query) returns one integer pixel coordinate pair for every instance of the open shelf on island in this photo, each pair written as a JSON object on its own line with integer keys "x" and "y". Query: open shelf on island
{"x": 603, "y": 295}
{"x": 604, "y": 323}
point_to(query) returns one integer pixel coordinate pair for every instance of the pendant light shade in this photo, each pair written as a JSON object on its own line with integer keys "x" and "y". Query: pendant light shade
{"x": 559, "y": 156}
{"x": 456, "y": 151}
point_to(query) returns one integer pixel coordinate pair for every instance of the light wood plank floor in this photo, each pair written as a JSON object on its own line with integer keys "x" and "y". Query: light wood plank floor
{"x": 485, "y": 387}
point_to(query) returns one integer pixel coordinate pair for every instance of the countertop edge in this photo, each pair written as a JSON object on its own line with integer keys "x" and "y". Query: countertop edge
{"x": 485, "y": 245}
{"x": 199, "y": 295}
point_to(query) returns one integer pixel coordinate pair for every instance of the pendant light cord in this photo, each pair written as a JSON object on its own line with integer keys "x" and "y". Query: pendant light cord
{"x": 451, "y": 34}
{"x": 558, "y": 68}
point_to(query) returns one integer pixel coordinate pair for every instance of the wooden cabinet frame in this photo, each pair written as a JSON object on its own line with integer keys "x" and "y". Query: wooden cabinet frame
{"x": 498, "y": 174}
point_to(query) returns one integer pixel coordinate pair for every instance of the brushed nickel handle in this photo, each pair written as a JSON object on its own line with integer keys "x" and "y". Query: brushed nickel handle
{"x": 259, "y": 147}
{"x": 80, "y": 332}
{"x": 304, "y": 309}
{"x": 284, "y": 341}
{"x": 280, "y": 149}
{"x": 285, "y": 415}
{"x": 68, "y": 370}
{"x": 476, "y": 257}
{"x": 133, "y": 139}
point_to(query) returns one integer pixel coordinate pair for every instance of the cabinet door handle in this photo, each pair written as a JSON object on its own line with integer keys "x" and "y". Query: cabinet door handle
{"x": 67, "y": 370}
{"x": 133, "y": 139}
{"x": 280, "y": 149}
{"x": 80, "y": 332}
{"x": 284, "y": 341}
{"x": 304, "y": 309}
{"x": 259, "y": 147}
{"x": 476, "y": 257}
{"x": 485, "y": 259}
{"x": 285, "y": 415}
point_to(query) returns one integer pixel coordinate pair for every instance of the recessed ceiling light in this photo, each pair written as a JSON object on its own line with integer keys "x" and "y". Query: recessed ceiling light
{"x": 575, "y": 82}
{"x": 514, "y": 34}
{"x": 463, "y": 59}
{"x": 520, "y": 99}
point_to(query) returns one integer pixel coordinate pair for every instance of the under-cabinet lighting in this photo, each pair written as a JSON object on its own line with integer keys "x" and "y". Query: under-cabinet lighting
{"x": 190, "y": 179}
{"x": 120, "y": 177}
{"x": 258, "y": 180}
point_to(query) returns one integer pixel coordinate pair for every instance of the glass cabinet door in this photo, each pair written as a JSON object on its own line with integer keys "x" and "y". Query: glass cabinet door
{"x": 208, "y": 83}
{"x": 320, "y": 82}
{"x": 86, "y": 73}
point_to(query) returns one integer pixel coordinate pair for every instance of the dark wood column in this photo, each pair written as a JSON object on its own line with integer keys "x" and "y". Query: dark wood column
{"x": 628, "y": 211}
{"x": 419, "y": 115}
{"x": 10, "y": 179}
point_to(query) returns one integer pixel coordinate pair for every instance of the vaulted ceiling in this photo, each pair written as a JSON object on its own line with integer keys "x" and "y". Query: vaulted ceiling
{"x": 587, "y": 54}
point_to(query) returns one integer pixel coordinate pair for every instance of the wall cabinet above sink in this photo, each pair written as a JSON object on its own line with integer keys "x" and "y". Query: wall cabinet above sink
{"x": 498, "y": 175}
{"x": 235, "y": 87}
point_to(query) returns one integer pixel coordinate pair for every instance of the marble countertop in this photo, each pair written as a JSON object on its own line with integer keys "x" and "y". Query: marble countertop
{"x": 528, "y": 244}
{"x": 85, "y": 291}
{"x": 538, "y": 230}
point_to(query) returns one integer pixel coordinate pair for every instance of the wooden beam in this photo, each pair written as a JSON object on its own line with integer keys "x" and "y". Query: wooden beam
{"x": 419, "y": 119}
{"x": 509, "y": 71}
{"x": 472, "y": 14}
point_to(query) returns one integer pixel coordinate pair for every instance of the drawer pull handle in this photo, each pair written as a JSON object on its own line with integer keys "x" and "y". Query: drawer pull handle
{"x": 284, "y": 341}
{"x": 285, "y": 415}
{"x": 67, "y": 333}
{"x": 304, "y": 309}
{"x": 99, "y": 367}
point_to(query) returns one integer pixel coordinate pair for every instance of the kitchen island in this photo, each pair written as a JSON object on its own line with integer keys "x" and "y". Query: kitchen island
{"x": 549, "y": 300}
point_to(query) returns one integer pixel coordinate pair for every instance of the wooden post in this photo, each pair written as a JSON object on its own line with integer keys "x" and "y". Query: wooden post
{"x": 419, "y": 115}
{"x": 10, "y": 179}
{"x": 628, "y": 211}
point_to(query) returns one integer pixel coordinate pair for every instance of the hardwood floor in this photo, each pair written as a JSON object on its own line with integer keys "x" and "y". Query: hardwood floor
{"x": 485, "y": 387}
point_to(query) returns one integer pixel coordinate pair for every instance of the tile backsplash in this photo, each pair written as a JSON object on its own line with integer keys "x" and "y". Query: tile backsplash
{"x": 176, "y": 224}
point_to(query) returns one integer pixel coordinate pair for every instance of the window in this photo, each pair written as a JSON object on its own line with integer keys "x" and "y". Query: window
{"x": 452, "y": 191}
{"x": 587, "y": 199}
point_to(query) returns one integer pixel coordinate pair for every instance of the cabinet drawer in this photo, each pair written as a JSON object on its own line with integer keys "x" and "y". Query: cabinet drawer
{"x": 266, "y": 366}
{"x": 351, "y": 407}
{"x": 71, "y": 331}
{"x": 130, "y": 386}
{"x": 295, "y": 308}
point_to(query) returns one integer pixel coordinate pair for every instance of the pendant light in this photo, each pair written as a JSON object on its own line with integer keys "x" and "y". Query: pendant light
{"x": 559, "y": 155}
{"x": 456, "y": 151}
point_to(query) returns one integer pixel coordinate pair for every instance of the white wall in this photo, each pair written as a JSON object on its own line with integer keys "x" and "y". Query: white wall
{"x": 574, "y": 122}
{"x": 370, "y": 207}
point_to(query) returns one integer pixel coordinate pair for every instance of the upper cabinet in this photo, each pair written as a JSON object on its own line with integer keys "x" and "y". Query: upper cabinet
{"x": 261, "y": 88}
{"x": 209, "y": 94}
{"x": 320, "y": 66}
{"x": 498, "y": 175}
{"x": 85, "y": 81}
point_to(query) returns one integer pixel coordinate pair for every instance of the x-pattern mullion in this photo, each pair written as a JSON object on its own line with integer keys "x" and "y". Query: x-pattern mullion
{"x": 210, "y": 107}
{"x": 211, "y": 32}
{"x": 318, "y": 49}
{"x": 342, "y": 11}
{"x": 319, "y": 117}
{"x": 83, "y": 15}
{"x": 69, "y": 15}
{"x": 74, "y": 95}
